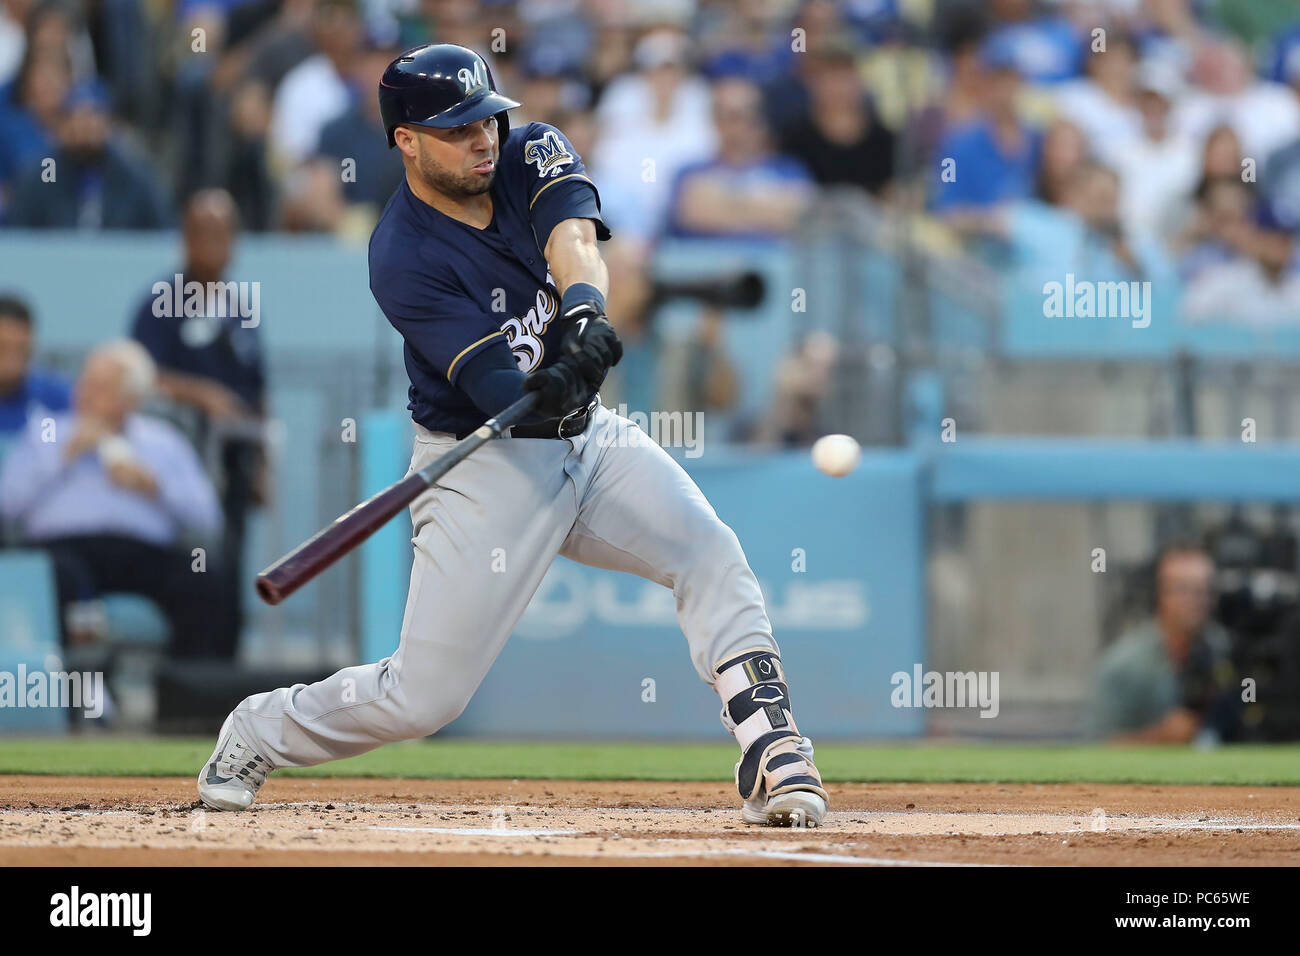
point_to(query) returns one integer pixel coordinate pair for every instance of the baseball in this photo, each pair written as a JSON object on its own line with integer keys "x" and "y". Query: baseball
{"x": 836, "y": 455}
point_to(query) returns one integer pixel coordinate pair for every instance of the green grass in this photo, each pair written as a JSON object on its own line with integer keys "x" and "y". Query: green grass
{"x": 840, "y": 762}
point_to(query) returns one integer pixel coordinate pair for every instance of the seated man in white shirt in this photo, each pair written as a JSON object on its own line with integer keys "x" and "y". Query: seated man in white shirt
{"x": 112, "y": 494}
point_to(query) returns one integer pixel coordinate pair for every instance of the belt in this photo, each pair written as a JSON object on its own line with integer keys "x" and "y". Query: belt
{"x": 574, "y": 423}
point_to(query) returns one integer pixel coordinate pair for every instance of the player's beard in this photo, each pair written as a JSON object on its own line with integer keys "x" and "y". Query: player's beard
{"x": 453, "y": 185}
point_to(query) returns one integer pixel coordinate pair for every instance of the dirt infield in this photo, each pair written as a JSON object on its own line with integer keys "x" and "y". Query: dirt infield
{"x": 64, "y": 821}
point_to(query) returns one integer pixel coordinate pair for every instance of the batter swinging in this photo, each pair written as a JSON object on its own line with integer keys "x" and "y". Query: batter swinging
{"x": 485, "y": 260}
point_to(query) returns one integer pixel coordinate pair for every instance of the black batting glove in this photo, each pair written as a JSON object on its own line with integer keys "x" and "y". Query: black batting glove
{"x": 591, "y": 341}
{"x": 562, "y": 388}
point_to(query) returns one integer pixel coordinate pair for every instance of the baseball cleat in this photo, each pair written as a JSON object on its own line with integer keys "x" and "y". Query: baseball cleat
{"x": 799, "y": 809}
{"x": 233, "y": 774}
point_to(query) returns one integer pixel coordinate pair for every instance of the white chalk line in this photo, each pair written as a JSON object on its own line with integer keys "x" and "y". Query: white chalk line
{"x": 688, "y": 849}
{"x": 481, "y": 831}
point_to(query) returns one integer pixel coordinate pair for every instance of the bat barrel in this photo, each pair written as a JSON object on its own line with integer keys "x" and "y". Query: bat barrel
{"x": 348, "y": 531}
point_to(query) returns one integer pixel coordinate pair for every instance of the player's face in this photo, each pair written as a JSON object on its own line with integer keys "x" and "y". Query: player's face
{"x": 457, "y": 162}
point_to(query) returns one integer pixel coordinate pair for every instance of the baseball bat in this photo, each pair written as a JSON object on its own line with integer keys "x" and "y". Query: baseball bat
{"x": 348, "y": 530}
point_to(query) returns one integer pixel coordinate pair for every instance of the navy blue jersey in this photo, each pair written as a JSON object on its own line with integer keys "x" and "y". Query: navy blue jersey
{"x": 453, "y": 290}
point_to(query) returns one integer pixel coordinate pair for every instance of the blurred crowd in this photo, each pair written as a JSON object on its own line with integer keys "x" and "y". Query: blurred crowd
{"x": 697, "y": 117}
{"x": 139, "y": 477}
{"x": 1112, "y": 139}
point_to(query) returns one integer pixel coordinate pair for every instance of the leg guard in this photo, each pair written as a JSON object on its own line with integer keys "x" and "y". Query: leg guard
{"x": 775, "y": 757}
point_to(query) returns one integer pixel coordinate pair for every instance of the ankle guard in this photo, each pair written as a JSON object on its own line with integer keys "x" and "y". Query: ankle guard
{"x": 756, "y": 708}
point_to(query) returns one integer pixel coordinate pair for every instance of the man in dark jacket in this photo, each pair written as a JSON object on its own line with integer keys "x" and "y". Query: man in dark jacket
{"x": 93, "y": 180}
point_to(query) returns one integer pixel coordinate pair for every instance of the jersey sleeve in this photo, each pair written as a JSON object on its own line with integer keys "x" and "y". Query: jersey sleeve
{"x": 557, "y": 182}
{"x": 437, "y": 320}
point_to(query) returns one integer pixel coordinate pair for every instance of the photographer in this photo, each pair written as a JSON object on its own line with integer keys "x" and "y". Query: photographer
{"x": 1170, "y": 679}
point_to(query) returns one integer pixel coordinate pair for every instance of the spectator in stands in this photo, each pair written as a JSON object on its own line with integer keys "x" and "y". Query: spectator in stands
{"x": 1104, "y": 104}
{"x": 97, "y": 180}
{"x": 840, "y": 141}
{"x": 650, "y": 124}
{"x": 1160, "y": 167}
{"x": 263, "y": 49}
{"x": 26, "y": 393}
{"x": 1083, "y": 235}
{"x": 993, "y": 158}
{"x": 744, "y": 39}
{"x": 355, "y": 138}
{"x": 458, "y": 21}
{"x": 1166, "y": 30}
{"x": 957, "y": 76}
{"x": 197, "y": 119}
{"x": 1080, "y": 235}
{"x": 126, "y": 66}
{"x": 29, "y": 117}
{"x": 1064, "y": 151}
{"x": 317, "y": 90}
{"x": 965, "y": 37}
{"x": 1218, "y": 229}
{"x": 111, "y": 500}
{"x": 222, "y": 101}
{"x": 1042, "y": 46}
{"x": 212, "y": 364}
{"x": 549, "y": 87}
{"x": 1279, "y": 176}
{"x": 1170, "y": 679}
{"x": 55, "y": 28}
{"x": 13, "y": 13}
{"x": 1246, "y": 268}
{"x": 746, "y": 190}
{"x": 1265, "y": 116}
{"x": 247, "y": 174}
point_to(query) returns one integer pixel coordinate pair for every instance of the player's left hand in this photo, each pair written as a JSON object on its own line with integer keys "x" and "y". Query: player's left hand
{"x": 591, "y": 342}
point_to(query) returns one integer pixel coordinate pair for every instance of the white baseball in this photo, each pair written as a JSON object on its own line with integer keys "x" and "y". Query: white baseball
{"x": 836, "y": 455}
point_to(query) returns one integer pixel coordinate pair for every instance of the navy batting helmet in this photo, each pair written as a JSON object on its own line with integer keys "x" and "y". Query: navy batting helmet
{"x": 440, "y": 85}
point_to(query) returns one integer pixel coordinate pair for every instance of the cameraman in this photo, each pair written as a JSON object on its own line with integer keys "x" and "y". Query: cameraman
{"x": 1171, "y": 679}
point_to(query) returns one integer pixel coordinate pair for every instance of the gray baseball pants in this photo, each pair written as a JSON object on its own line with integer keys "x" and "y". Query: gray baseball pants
{"x": 609, "y": 498}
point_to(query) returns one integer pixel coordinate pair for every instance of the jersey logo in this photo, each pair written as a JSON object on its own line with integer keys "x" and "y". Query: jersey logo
{"x": 549, "y": 153}
{"x": 525, "y": 334}
{"x": 472, "y": 79}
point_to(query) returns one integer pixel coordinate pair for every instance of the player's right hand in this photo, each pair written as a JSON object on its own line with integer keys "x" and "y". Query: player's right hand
{"x": 561, "y": 385}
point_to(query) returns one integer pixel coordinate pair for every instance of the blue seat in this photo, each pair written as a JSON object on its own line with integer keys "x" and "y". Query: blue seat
{"x": 29, "y": 637}
{"x": 135, "y": 620}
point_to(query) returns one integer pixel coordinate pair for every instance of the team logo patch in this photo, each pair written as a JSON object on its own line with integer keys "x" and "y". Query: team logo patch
{"x": 760, "y": 669}
{"x": 776, "y": 716}
{"x": 548, "y": 153}
{"x": 475, "y": 79}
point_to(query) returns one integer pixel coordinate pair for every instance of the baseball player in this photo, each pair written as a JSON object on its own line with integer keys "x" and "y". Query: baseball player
{"x": 486, "y": 261}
